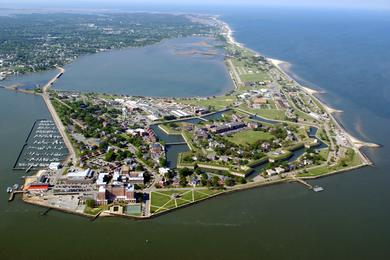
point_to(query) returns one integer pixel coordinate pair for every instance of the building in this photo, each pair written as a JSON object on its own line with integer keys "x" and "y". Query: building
{"x": 258, "y": 102}
{"x": 152, "y": 135}
{"x": 80, "y": 174}
{"x": 279, "y": 170}
{"x": 116, "y": 209}
{"x": 120, "y": 193}
{"x": 156, "y": 150}
{"x": 253, "y": 125}
{"x": 163, "y": 170}
{"x": 136, "y": 178}
{"x": 125, "y": 169}
{"x": 38, "y": 187}
{"x": 101, "y": 196}
{"x": 102, "y": 179}
{"x": 115, "y": 193}
{"x": 201, "y": 111}
{"x": 228, "y": 127}
{"x": 271, "y": 172}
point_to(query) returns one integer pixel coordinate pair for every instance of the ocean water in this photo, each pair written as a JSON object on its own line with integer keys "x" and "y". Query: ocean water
{"x": 340, "y": 52}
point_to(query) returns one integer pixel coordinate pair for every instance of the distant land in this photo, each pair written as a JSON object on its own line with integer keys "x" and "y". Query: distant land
{"x": 123, "y": 157}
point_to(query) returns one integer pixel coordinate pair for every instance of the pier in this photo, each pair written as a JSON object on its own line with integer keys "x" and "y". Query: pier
{"x": 43, "y": 145}
{"x": 304, "y": 183}
{"x": 13, "y": 193}
{"x": 29, "y": 168}
{"x": 308, "y": 185}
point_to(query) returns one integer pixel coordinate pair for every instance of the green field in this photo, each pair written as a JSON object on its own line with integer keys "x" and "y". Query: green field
{"x": 350, "y": 159}
{"x": 216, "y": 102}
{"x": 168, "y": 129}
{"x": 324, "y": 153}
{"x": 252, "y": 77}
{"x": 92, "y": 211}
{"x": 163, "y": 200}
{"x": 249, "y": 137}
{"x": 276, "y": 114}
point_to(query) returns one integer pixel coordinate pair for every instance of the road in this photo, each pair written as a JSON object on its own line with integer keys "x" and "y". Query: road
{"x": 56, "y": 119}
{"x": 239, "y": 82}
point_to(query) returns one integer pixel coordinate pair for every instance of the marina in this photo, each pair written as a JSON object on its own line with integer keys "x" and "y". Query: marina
{"x": 44, "y": 145}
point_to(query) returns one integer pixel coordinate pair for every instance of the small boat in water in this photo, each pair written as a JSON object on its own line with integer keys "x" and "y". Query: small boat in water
{"x": 317, "y": 189}
{"x": 9, "y": 190}
{"x": 15, "y": 186}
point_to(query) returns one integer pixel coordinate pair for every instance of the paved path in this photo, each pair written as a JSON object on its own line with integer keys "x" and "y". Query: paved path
{"x": 56, "y": 118}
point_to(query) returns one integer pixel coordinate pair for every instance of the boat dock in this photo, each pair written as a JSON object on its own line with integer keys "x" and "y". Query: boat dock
{"x": 308, "y": 185}
{"x": 13, "y": 193}
{"x": 43, "y": 145}
{"x": 29, "y": 168}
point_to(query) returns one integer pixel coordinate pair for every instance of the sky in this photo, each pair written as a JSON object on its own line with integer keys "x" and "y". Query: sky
{"x": 352, "y": 4}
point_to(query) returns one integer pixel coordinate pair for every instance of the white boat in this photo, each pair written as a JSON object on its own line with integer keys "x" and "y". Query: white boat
{"x": 317, "y": 189}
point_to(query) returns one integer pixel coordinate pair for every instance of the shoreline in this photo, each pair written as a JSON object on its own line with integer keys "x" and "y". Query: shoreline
{"x": 330, "y": 110}
{"x": 356, "y": 143}
{"x": 278, "y": 64}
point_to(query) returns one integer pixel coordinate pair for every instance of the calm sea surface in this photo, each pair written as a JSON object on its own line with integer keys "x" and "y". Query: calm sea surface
{"x": 343, "y": 53}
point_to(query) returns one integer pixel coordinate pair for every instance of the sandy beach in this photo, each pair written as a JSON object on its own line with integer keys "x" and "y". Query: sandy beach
{"x": 280, "y": 65}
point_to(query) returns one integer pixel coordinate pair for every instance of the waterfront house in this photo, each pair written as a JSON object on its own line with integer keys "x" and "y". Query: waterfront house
{"x": 271, "y": 172}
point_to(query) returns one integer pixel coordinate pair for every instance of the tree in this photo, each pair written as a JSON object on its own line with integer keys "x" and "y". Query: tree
{"x": 110, "y": 156}
{"x": 183, "y": 181}
{"x": 163, "y": 162}
{"x": 230, "y": 182}
{"x": 215, "y": 181}
{"x": 185, "y": 172}
{"x": 240, "y": 180}
{"x": 198, "y": 171}
{"x": 203, "y": 179}
{"x": 90, "y": 203}
{"x": 169, "y": 175}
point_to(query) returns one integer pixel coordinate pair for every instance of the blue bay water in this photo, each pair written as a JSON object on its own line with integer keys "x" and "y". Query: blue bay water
{"x": 174, "y": 67}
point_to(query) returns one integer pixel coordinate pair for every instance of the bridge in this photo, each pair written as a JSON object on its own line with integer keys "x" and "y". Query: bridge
{"x": 175, "y": 143}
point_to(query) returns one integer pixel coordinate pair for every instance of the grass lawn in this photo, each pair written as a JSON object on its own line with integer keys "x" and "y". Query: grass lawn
{"x": 187, "y": 196}
{"x": 168, "y": 129}
{"x": 188, "y": 138}
{"x": 351, "y": 159}
{"x": 316, "y": 171}
{"x": 267, "y": 113}
{"x": 199, "y": 195}
{"x": 324, "y": 153}
{"x": 202, "y": 194}
{"x": 92, "y": 211}
{"x": 249, "y": 137}
{"x": 159, "y": 199}
{"x": 162, "y": 200}
{"x": 260, "y": 76}
{"x": 217, "y": 102}
{"x": 182, "y": 202}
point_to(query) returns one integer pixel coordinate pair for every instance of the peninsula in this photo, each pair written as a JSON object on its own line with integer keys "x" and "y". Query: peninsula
{"x": 140, "y": 157}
